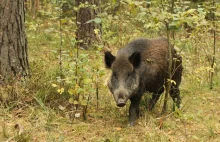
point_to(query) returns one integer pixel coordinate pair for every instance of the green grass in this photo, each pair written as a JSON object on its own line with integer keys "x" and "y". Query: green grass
{"x": 199, "y": 121}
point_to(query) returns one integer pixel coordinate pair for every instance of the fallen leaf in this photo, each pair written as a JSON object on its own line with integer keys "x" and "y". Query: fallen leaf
{"x": 118, "y": 128}
{"x": 77, "y": 115}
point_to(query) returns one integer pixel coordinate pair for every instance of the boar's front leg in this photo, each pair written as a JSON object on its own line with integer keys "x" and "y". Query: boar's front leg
{"x": 134, "y": 110}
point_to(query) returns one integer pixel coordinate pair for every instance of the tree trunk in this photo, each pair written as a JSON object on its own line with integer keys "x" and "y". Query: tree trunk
{"x": 13, "y": 41}
{"x": 85, "y": 31}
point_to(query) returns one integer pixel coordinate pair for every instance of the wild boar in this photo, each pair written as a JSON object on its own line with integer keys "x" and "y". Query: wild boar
{"x": 139, "y": 67}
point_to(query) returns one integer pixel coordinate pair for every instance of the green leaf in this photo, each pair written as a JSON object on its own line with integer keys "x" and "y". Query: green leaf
{"x": 64, "y": 21}
{"x": 54, "y": 85}
{"x": 71, "y": 91}
{"x": 200, "y": 10}
{"x": 80, "y": 90}
{"x": 71, "y": 101}
{"x": 96, "y": 20}
{"x": 61, "y": 90}
{"x": 75, "y": 102}
{"x": 172, "y": 81}
{"x": 190, "y": 11}
{"x": 114, "y": 1}
{"x": 174, "y": 25}
{"x": 87, "y": 81}
{"x": 142, "y": 14}
{"x": 84, "y": 103}
{"x": 83, "y": 55}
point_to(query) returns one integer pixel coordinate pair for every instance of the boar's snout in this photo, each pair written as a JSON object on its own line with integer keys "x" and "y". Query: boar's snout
{"x": 121, "y": 102}
{"x": 121, "y": 97}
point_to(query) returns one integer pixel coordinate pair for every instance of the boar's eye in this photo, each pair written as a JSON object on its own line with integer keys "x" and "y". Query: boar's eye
{"x": 114, "y": 75}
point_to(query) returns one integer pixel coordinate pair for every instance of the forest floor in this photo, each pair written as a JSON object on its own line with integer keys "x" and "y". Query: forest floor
{"x": 197, "y": 120}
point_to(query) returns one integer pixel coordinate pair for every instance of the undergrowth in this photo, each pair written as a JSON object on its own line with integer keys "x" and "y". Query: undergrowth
{"x": 40, "y": 113}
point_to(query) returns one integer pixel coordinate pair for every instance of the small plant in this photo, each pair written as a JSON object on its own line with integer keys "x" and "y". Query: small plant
{"x": 81, "y": 78}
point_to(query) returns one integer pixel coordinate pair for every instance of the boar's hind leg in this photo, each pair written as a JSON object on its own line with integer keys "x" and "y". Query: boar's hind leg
{"x": 134, "y": 110}
{"x": 153, "y": 101}
{"x": 175, "y": 94}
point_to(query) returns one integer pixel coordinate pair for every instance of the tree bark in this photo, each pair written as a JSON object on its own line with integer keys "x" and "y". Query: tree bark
{"x": 85, "y": 31}
{"x": 13, "y": 41}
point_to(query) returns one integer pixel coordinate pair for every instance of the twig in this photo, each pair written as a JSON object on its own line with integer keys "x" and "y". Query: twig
{"x": 61, "y": 44}
{"x": 214, "y": 47}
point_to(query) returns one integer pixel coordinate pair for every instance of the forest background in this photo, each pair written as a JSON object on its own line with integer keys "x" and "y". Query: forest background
{"x": 65, "y": 97}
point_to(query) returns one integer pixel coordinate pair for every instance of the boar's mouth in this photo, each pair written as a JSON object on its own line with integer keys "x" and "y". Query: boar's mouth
{"x": 121, "y": 105}
{"x": 121, "y": 102}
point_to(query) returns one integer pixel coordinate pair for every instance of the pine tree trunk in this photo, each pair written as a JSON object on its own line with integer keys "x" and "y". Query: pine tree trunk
{"x": 13, "y": 41}
{"x": 85, "y": 31}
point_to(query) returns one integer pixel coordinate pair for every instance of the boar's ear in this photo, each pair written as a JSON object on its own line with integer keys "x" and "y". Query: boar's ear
{"x": 135, "y": 59}
{"x": 109, "y": 59}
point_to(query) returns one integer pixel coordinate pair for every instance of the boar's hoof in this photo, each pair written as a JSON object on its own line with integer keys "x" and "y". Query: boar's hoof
{"x": 121, "y": 103}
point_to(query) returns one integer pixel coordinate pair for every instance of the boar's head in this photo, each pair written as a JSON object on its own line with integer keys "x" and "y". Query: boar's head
{"x": 124, "y": 81}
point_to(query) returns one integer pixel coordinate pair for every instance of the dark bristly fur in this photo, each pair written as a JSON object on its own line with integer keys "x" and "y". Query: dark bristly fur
{"x": 142, "y": 66}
